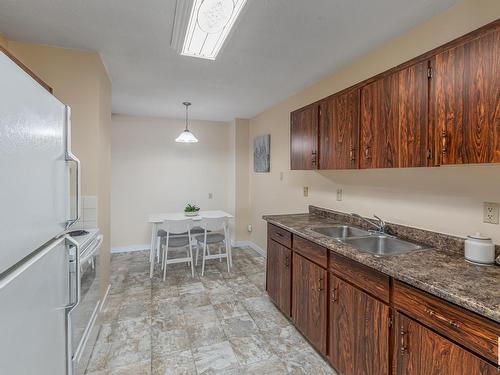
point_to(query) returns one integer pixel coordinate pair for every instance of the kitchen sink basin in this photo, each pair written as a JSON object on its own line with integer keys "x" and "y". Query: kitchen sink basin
{"x": 341, "y": 232}
{"x": 381, "y": 245}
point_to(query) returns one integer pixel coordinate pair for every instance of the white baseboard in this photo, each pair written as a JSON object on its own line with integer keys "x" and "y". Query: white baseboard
{"x": 130, "y": 248}
{"x": 250, "y": 244}
{"x": 235, "y": 244}
{"x": 105, "y": 298}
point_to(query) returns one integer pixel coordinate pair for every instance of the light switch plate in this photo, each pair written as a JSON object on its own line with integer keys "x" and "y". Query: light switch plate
{"x": 306, "y": 191}
{"x": 491, "y": 212}
{"x": 339, "y": 194}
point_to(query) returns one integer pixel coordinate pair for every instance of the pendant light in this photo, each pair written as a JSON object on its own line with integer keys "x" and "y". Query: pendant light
{"x": 186, "y": 136}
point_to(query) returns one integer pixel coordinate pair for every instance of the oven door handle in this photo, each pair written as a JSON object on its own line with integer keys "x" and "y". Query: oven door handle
{"x": 91, "y": 253}
{"x": 75, "y": 270}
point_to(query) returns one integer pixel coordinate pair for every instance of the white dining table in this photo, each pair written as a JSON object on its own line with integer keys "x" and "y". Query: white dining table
{"x": 157, "y": 219}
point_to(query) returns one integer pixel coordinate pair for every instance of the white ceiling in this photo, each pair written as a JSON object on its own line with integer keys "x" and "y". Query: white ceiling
{"x": 277, "y": 48}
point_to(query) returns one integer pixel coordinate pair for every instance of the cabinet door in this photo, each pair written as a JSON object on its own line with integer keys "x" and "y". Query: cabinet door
{"x": 394, "y": 120}
{"x": 279, "y": 259}
{"x": 466, "y": 109}
{"x": 304, "y": 138}
{"x": 379, "y": 124}
{"x": 413, "y": 116}
{"x": 420, "y": 351}
{"x": 339, "y": 131}
{"x": 272, "y": 263}
{"x": 358, "y": 331}
{"x": 309, "y": 310}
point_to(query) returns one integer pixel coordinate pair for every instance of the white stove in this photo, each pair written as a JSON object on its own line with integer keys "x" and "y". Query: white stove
{"x": 85, "y": 239}
{"x": 84, "y": 328}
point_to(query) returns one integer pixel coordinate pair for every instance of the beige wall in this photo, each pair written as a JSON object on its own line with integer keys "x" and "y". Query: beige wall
{"x": 446, "y": 199}
{"x": 152, "y": 173}
{"x": 242, "y": 180}
{"x": 104, "y": 172}
{"x": 80, "y": 80}
{"x": 4, "y": 42}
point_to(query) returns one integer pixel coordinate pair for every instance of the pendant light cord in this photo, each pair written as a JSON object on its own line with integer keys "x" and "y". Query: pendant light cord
{"x": 187, "y": 104}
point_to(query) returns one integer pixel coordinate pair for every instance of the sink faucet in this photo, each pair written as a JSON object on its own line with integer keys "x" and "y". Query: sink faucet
{"x": 379, "y": 224}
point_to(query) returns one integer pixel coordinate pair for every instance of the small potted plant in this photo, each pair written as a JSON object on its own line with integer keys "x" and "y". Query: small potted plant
{"x": 191, "y": 210}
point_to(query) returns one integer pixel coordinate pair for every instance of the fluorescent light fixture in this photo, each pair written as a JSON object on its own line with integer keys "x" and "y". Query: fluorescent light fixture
{"x": 209, "y": 24}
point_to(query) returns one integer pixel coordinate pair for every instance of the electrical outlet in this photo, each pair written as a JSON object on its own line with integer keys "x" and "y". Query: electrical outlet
{"x": 249, "y": 228}
{"x": 339, "y": 194}
{"x": 490, "y": 212}
{"x": 210, "y": 195}
{"x": 306, "y": 191}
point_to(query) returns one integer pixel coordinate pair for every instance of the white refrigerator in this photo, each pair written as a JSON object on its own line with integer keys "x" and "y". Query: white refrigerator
{"x": 39, "y": 263}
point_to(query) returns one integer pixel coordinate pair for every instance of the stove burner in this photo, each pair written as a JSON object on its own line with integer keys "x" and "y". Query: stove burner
{"x": 77, "y": 233}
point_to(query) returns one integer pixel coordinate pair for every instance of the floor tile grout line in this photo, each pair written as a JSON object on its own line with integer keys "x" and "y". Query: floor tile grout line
{"x": 248, "y": 268}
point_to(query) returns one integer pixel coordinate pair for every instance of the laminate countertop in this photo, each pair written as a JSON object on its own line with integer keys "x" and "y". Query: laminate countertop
{"x": 438, "y": 271}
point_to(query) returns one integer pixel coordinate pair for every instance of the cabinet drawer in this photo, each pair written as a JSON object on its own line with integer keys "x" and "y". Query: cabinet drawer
{"x": 472, "y": 331}
{"x": 311, "y": 251}
{"x": 280, "y": 235}
{"x": 366, "y": 278}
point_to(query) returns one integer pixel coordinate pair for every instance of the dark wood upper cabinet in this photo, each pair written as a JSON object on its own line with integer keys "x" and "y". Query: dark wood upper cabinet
{"x": 418, "y": 350}
{"x": 415, "y": 148}
{"x": 339, "y": 131}
{"x": 379, "y": 143}
{"x": 279, "y": 275}
{"x": 309, "y": 299}
{"x": 358, "y": 331}
{"x": 304, "y": 138}
{"x": 439, "y": 108}
{"x": 394, "y": 119}
{"x": 466, "y": 101}
{"x": 26, "y": 69}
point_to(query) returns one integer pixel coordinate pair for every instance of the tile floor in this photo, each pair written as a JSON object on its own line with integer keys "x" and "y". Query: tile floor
{"x": 216, "y": 324}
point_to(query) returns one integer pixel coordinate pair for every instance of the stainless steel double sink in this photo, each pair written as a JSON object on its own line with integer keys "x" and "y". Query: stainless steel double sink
{"x": 379, "y": 244}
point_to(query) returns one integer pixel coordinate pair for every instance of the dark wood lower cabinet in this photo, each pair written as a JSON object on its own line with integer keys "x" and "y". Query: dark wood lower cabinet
{"x": 279, "y": 275}
{"x": 309, "y": 301}
{"x": 358, "y": 331}
{"x": 420, "y": 351}
{"x": 346, "y": 312}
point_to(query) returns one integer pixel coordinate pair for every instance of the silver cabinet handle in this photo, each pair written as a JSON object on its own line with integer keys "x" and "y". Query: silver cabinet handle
{"x": 71, "y": 157}
{"x": 75, "y": 303}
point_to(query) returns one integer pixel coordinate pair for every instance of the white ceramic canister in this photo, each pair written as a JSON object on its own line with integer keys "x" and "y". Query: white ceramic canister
{"x": 479, "y": 249}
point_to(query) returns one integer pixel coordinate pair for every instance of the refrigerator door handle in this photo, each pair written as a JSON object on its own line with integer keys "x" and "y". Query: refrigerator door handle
{"x": 75, "y": 270}
{"x": 26, "y": 265}
{"x": 71, "y": 157}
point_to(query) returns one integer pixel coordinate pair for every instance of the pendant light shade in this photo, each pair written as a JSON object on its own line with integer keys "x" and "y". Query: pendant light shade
{"x": 186, "y": 136}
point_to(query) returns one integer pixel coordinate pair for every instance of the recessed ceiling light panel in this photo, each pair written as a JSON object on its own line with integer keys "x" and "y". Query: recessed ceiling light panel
{"x": 208, "y": 26}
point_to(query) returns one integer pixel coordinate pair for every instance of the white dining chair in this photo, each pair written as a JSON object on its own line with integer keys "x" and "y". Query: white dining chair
{"x": 177, "y": 235}
{"x": 161, "y": 234}
{"x": 215, "y": 233}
